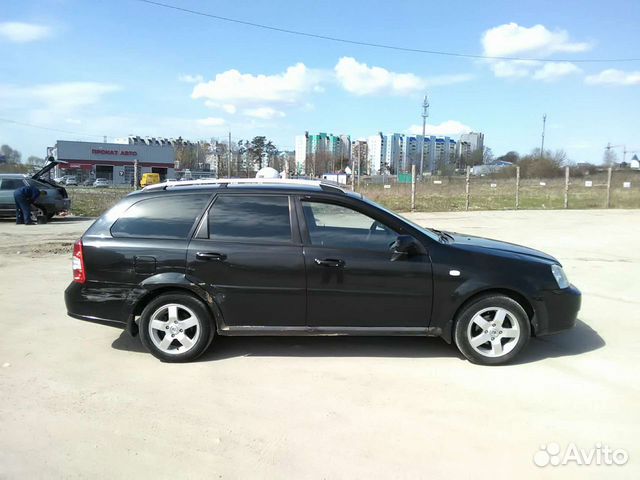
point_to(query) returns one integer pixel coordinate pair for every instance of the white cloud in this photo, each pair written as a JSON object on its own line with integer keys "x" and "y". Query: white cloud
{"x": 514, "y": 68}
{"x": 554, "y": 70}
{"x": 265, "y": 113}
{"x": 449, "y": 128}
{"x": 211, "y": 122}
{"x": 191, "y": 78}
{"x": 613, "y": 76}
{"x": 21, "y": 32}
{"x": 234, "y": 87}
{"x": 230, "y": 108}
{"x": 59, "y": 98}
{"x": 360, "y": 79}
{"x": 512, "y": 39}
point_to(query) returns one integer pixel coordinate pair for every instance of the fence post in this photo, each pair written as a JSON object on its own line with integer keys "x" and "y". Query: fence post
{"x": 353, "y": 178}
{"x": 566, "y": 187}
{"x": 466, "y": 206}
{"x": 413, "y": 188}
{"x": 135, "y": 174}
{"x": 609, "y": 187}
{"x": 517, "y": 187}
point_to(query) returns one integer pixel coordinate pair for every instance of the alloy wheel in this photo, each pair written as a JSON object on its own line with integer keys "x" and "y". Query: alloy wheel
{"x": 493, "y": 332}
{"x": 174, "y": 328}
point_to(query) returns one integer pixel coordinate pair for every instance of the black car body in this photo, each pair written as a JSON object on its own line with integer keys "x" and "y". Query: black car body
{"x": 305, "y": 258}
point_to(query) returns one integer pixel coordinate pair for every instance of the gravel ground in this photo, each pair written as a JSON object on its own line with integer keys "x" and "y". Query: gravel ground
{"x": 83, "y": 400}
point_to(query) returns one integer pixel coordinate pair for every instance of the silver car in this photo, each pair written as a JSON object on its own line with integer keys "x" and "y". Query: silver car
{"x": 54, "y": 201}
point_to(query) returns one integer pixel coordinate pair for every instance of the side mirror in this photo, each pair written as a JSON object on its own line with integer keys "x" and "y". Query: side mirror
{"x": 404, "y": 246}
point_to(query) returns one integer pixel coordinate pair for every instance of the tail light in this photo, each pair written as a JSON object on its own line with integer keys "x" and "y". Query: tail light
{"x": 77, "y": 261}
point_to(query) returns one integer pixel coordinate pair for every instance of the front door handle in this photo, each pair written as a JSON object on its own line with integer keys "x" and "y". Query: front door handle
{"x": 330, "y": 262}
{"x": 210, "y": 256}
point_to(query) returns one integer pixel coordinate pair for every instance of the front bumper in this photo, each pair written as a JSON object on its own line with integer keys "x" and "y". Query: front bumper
{"x": 556, "y": 310}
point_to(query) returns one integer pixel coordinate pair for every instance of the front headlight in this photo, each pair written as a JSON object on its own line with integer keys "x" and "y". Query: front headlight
{"x": 561, "y": 278}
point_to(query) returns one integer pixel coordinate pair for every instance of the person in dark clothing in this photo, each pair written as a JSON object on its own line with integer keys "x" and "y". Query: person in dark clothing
{"x": 24, "y": 197}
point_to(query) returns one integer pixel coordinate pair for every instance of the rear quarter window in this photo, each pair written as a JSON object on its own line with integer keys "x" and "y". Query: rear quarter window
{"x": 165, "y": 217}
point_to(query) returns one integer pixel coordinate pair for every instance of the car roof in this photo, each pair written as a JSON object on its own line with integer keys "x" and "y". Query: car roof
{"x": 251, "y": 185}
{"x": 13, "y": 175}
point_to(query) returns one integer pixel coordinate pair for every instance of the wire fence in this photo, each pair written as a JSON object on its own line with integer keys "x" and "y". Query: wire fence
{"x": 608, "y": 189}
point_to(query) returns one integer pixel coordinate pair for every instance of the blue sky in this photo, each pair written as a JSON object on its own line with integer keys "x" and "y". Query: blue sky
{"x": 123, "y": 67}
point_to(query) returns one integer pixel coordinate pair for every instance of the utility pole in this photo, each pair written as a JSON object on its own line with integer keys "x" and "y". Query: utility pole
{"x": 544, "y": 123}
{"x": 425, "y": 114}
{"x": 229, "y": 155}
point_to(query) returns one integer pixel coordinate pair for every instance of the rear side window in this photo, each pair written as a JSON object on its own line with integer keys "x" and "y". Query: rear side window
{"x": 252, "y": 218}
{"x": 11, "y": 183}
{"x": 168, "y": 217}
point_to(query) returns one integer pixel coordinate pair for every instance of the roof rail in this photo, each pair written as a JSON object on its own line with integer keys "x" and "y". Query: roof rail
{"x": 244, "y": 181}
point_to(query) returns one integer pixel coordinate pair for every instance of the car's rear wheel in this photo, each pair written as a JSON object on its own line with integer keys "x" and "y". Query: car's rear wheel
{"x": 492, "y": 330}
{"x": 176, "y": 327}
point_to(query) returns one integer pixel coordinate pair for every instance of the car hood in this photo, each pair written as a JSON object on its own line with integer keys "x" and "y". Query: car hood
{"x": 480, "y": 243}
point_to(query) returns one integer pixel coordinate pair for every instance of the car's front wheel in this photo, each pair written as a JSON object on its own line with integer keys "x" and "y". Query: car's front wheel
{"x": 176, "y": 327}
{"x": 492, "y": 330}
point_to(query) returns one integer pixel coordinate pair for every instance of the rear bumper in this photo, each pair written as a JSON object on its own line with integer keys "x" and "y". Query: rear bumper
{"x": 95, "y": 305}
{"x": 101, "y": 321}
{"x": 557, "y": 310}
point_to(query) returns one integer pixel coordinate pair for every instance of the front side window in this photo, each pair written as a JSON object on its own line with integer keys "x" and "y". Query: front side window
{"x": 337, "y": 226}
{"x": 250, "y": 218}
{"x": 166, "y": 217}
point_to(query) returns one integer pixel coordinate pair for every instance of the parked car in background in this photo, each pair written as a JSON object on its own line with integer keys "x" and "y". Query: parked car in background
{"x": 180, "y": 263}
{"x": 87, "y": 183}
{"x": 71, "y": 180}
{"x": 101, "y": 183}
{"x": 54, "y": 200}
{"x": 149, "y": 179}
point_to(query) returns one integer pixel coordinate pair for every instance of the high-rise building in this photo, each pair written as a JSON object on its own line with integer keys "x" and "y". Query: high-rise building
{"x": 376, "y": 155}
{"x": 320, "y": 153}
{"x": 398, "y": 152}
{"x": 469, "y": 143}
{"x": 360, "y": 157}
{"x": 474, "y": 139}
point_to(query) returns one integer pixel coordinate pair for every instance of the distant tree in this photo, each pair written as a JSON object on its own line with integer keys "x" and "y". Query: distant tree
{"x": 10, "y": 155}
{"x": 260, "y": 150}
{"x": 511, "y": 156}
{"x": 547, "y": 166}
{"x": 33, "y": 160}
{"x": 487, "y": 155}
{"x": 272, "y": 155}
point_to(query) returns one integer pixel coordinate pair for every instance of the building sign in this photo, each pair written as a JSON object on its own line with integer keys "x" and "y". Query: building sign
{"x": 126, "y": 153}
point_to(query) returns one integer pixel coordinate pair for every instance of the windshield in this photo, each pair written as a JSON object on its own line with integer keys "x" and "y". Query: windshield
{"x": 430, "y": 233}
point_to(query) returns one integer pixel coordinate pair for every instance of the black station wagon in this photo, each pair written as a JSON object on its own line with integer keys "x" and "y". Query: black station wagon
{"x": 180, "y": 263}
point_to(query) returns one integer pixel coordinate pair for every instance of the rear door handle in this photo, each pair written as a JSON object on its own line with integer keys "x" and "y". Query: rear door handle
{"x": 330, "y": 262}
{"x": 210, "y": 256}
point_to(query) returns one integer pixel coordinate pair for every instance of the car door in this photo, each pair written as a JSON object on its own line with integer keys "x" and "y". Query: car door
{"x": 351, "y": 280}
{"x": 7, "y": 187}
{"x": 250, "y": 259}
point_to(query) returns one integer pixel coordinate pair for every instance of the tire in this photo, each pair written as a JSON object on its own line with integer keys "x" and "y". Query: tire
{"x": 184, "y": 317}
{"x": 497, "y": 319}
